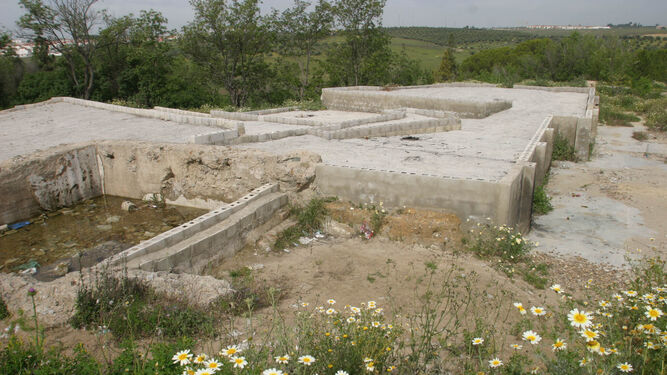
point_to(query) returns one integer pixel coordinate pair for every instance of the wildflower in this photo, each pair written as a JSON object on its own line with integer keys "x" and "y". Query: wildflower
{"x": 650, "y": 345}
{"x": 239, "y": 362}
{"x": 188, "y": 371}
{"x": 624, "y": 367}
{"x": 282, "y": 359}
{"x": 582, "y": 362}
{"x": 230, "y": 351}
{"x": 182, "y": 357}
{"x": 368, "y": 359}
{"x": 495, "y": 362}
{"x": 378, "y": 311}
{"x": 355, "y": 310}
{"x": 648, "y": 297}
{"x": 272, "y": 371}
{"x": 351, "y": 319}
{"x": 304, "y": 304}
{"x": 32, "y": 291}
{"x": 604, "y": 304}
{"x": 370, "y": 366}
{"x": 213, "y": 365}
{"x": 341, "y": 372}
{"x": 519, "y": 306}
{"x": 653, "y": 313}
{"x": 603, "y": 351}
{"x": 556, "y": 288}
{"x": 532, "y": 337}
{"x": 630, "y": 293}
{"x": 200, "y": 358}
{"x": 331, "y": 301}
{"x": 375, "y": 324}
{"x": 516, "y": 346}
{"x": 306, "y": 360}
{"x": 477, "y": 341}
{"x": 538, "y": 311}
{"x": 579, "y": 319}
{"x": 618, "y": 297}
{"x": 593, "y": 346}
{"x": 535, "y": 370}
{"x": 371, "y": 305}
{"x": 589, "y": 335}
{"x": 559, "y": 345}
{"x": 205, "y": 371}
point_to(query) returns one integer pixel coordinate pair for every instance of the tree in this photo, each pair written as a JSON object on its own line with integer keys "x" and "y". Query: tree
{"x": 299, "y": 31}
{"x": 229, "y": 39}
{"x": 11, "y": 71}
{"x": 447, "y": 70}
{"x": 68, "y": 26}
{"x": 364, "y": 56}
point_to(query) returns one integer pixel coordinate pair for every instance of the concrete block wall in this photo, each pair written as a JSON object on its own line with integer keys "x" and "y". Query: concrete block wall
{"x": 581, "y": 131}
{"x": 386, "y": 116}
{"x": 238, "y": 116}
{"x": 47, "y": 181}
{"x": 417, "y": 126}
{"x": 184, "y": 231}
{"x": 504, "y": 201}
{"x": 370, "y": 99}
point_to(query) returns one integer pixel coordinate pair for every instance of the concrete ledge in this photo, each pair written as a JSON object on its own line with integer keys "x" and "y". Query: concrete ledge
{"x": 375, "y": 99}
{"x": 240, "y": 116}
{"x": 180, "y": 233}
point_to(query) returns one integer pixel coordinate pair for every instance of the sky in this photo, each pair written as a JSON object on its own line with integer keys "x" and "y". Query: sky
{"x": 448, "y": 13}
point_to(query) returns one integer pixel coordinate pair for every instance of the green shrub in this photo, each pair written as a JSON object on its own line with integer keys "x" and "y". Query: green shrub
{"x": 19, "y": 358}
{"x": 309, "y": 220}
{"x": 541, "y": 201}
{"x": 4, "y": 312}
{"x": 128, "y": 308}
{"x": 562, "y": 150}
{"x": 486, "y": 240}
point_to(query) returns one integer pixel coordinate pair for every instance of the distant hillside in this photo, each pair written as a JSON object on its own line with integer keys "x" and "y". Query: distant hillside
{"x": 444, "y": 36}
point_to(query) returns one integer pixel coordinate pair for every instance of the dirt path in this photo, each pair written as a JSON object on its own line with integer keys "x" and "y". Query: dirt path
{"x": 612, "y": 206}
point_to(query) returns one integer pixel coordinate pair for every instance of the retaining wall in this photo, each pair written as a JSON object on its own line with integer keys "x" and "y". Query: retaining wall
{"x": 374, "y": 99}
{"x": 189, "y": 229}
{"x": 504, "y": 201}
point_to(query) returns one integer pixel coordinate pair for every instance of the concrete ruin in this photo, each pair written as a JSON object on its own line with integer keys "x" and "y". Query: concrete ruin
{"x": 473, "y": 149}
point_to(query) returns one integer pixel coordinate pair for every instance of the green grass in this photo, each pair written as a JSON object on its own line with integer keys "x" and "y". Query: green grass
{"x": 4, "y": 313}
{"x": 309, "y": 220}
{"x": 541, "y": 201}
{"x": 563, "y": 150}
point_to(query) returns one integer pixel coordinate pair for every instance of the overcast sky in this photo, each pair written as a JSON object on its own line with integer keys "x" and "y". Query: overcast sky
{"x": 451, "y": 13}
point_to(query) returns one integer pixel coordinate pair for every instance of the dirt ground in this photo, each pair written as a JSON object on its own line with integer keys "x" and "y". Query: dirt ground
{"x": 612, "y": 207}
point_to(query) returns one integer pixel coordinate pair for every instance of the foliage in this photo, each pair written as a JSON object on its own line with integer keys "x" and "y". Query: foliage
{"x": 541, "y": 201}
{"x": 447, "y": 70}
{"x": 562, "y": 149}
{"x": 130, "y": 309}
{"x": 68, "y": 26}
{"x": 229, "y": 41}
{"x": 309, "y": 219}
{"x": 19, "y": 358}
{"x": 4, "y": 313}
{"x": 488, "y": 240}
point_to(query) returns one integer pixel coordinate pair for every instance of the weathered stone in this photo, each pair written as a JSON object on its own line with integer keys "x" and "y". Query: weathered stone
{"x": 128, "y": 206}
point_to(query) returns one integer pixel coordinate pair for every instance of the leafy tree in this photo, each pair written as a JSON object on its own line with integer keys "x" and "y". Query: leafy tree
{"x": 364, "y": 55}
{"x": 447, "y": 70}
{"x": 68, "y": 25}
{"x": 229, "y": 39}
{"x": 298, "y": 32}
{"x": 11, "y": 70}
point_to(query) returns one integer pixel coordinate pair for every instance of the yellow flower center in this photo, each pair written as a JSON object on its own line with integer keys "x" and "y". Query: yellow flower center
{"x": 580, "y": 318}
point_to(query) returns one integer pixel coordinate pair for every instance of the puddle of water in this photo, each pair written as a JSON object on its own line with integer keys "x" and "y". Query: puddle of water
{"x": 69, "y": 231}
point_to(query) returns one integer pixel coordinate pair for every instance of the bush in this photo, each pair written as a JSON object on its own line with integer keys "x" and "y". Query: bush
{"x": 541, "y": 201}
{"x": 128, "y": 308}
{"x": 4, "y": 312}
{"x": 488, "y": 240}
{"x": 18, "y": 358}
{"x": 309, "y": 220}
{"x": 562, "y": 150}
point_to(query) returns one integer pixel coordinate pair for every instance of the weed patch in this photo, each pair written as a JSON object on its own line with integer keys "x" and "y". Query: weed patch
{"x": 130, "y": 309}
{"x": 4, "y": 312}
{"x": 309, "y": 220}
{"x": 562, "y": 149}
{"x": 541, "y": 201}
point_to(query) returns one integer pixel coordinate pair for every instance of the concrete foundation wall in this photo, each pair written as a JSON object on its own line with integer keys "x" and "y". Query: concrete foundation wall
{"x": 46, "y": 181}
{"x": 466, "y": 198}
{"x": 373, "y": 99}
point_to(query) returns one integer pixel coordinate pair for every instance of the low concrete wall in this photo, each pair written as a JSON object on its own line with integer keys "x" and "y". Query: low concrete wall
{"x": 374, "y": 99}
{"x": 503, "y": 201}
{"x": 46, "y": 181}
{"x": 189, "y": 229}
{"x": 580, "y": 132}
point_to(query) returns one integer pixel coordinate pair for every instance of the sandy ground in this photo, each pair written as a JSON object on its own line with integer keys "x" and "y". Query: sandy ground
{"x": 26, "y": 131}
{"x": 611, "y": 207}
